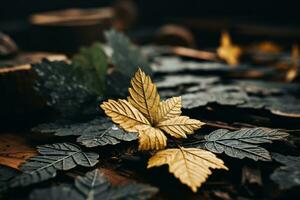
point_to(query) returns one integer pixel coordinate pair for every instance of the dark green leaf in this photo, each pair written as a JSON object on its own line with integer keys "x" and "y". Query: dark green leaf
{"x": 224, "y": 95}
{"x": 286, "y": 176}
{"x": 94, "y": 185}
{"x": 53, "y": 193}
{"x": 92, "y": 63}
{"x": 130, "y": 192}
{"x": 243, "y": 143}
{"x": 91, "y": 185}
{"x": 126, "y": 57}
{"x": 118, "y": 84}
{"x": 60, "y": 156}
{"x": 110, "y": 135}
{"x": 6, "y": 174}
{"x": 67, "y": 129}
{"x": 98, "y": 132}
{"x": 62, "y": 89}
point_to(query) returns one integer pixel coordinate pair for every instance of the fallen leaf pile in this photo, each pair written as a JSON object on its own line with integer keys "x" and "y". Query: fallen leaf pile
{"x": 94, "y": 185}
{"x": 145, "y": 114}
{"x": 151, "y": 118}
{"x": 59, "y": 156}
{"x": 141, "y": 116}
{"x": 80, "y": 152}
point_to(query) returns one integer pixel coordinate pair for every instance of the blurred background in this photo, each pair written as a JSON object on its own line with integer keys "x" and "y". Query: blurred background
{"x": 246, "y": 39}
{"x": 200, "y": 22}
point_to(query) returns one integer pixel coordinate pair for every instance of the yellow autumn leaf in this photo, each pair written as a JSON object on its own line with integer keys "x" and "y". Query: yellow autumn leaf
{"x": 124, "y": 114}
{"x": 179, "y": 126}
{"x": 145, "y": 114}
{"x": 190, "y": 165}
{"x": 292, "y": 72}
{"x": 168, "y": 109}
{"x": 228, "y": 51}
{"x": 144, "y": 95}
{"x": 151, "y": 138}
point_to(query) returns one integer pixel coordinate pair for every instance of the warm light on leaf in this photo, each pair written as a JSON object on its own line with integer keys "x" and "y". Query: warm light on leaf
{"x": 151, "y": 138}
{"x": 190, "y": 165}
{"x": 179, "y": 126}
{"x": 169, "y": 108}
{"x": 228, "y": 51}
{"x": 292, "y": 73}
{"x": 145, "y": 114}
{"x": 143, "y": 95}
{"x": 94, "y": 185}
{"x": 266, "y": 47}
{"x": 124, "y": 114}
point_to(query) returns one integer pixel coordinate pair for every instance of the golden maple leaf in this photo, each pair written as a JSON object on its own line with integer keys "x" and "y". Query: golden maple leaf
{"x": 151, "y": 138}
{"x": 179, "y": 126}
{"x": 123, "y": 113}
{"x": 190, "y": 165}
{"x": 228, "y": 51}
{"x": 144, "y": 95}
{"x": 168, "y": 109}
{"x": 145, "y": 114}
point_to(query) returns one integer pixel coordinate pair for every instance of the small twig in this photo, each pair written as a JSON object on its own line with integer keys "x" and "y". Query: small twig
{"x": 221, "y": 126}
{"x": 194, "y": 53}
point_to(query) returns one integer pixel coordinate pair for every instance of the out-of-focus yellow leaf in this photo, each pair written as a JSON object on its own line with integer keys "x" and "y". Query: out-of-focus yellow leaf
{"x": 228, "y": 51}
{"x": 190, "y": 165}
{"x": 292, "y": 73}
{"x": 266, "y": 47}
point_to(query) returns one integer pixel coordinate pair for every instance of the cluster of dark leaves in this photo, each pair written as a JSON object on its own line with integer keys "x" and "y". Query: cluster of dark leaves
{"x": 176, "y": 65}
{"x": 212, "y": 86}
{"x": 66, "y": 156}
{"x": 62, "y": 89}
{"x": 200, "y": 91}
{"x": 58, "y": 156}
{"x": 94, "y": 185}
{"x": 72, "y": 89}
{"x": 98, "y": 132}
